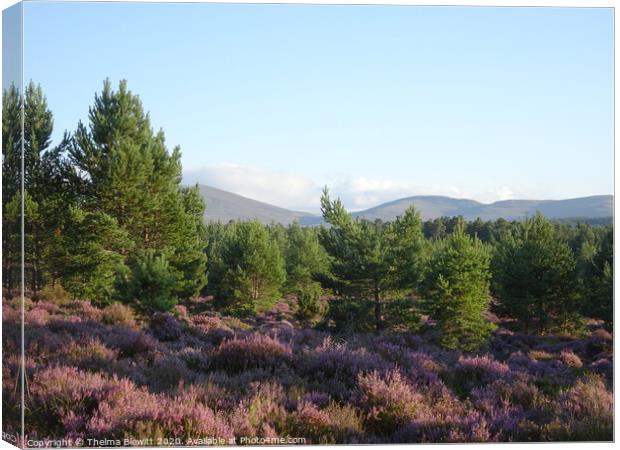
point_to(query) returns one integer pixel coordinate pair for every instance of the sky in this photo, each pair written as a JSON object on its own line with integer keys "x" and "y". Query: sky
{"x": 377, "y": 102}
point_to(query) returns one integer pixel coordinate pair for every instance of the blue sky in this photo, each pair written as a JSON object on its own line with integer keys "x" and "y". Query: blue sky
{"x": 378, "y": 102}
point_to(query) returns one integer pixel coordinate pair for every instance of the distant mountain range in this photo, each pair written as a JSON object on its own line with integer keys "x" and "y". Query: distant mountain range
{"x": 224, "y": 206}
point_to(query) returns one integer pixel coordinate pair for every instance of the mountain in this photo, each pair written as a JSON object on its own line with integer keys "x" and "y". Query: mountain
{"x": 431, "y": 207}
{"x": 224, "y": 206}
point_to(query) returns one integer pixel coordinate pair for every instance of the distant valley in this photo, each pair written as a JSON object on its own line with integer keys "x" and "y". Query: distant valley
{"x": 224, "y": 206}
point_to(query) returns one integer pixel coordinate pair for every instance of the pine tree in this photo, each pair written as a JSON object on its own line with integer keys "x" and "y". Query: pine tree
{"x": 535, "y": 278}
{"x": 11, "y": 188}
{"x": 149, "y": 282}
{"x": 599, "y": 285}
{"x": 305, "y": 257}
{"x": 254, "y": 270}
{"x": 123, "y": 169}
{"x": 84, "y": 254}
{"x": 217, "y": 234}
{"x": 371, "y": 259}
{"x": 409, "y": 249}
{"x": 305, "y": 261}
{"x": 456, "y": 290}
{"x": 38, "y": 124}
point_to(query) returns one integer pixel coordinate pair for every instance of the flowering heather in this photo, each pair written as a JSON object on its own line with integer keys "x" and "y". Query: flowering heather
{"x": 117, "y": 314}
{"x": 166, "y": 327}
{"x": 95, "y": 373}
{"x": 388, "y": 401}
{"x": 254, "y": 351}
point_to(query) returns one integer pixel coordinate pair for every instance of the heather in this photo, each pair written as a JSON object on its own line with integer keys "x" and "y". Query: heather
{"x": 143, "y": 319}
{"x": 109, "y": 373}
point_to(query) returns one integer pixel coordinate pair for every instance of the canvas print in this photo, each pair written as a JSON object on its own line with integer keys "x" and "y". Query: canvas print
{"x": 285, "y": 224}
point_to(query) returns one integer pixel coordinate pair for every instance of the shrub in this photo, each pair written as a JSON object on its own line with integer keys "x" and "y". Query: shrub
{"x": 350, "y": 315}
{"x": 309, "y": 301}
{"x": 166, "y": 327}
{"x": 310, "y": 422}
{"x": 183, "y": 418}
{"x": 472, "y": 372}
{"x": 117, "y": 314}
{"x": 131, "y": 343}
{"x": 265, "y": 411}
{"x": 55, "y": 294}
{"x": 64, "y": 397}
{"x": 254, "y": 351}
{"x": 212, "y": 328}
{"x": 90, "y": 355}
{"x": 167, "y": 372}
{"x": 388, "y": 401}
{"x": 335, "y": 367}
{"x": 588, "y": 409}
{"x": 571, "y": 359}
{"x": 84, "y": 309}
{"x": 333, "y": 425}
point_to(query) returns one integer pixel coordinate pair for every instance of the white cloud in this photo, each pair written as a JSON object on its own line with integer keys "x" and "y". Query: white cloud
{"x": 299, "y": 192}
{"x": 277, "y": 188}
{"x": 362, "y": 192}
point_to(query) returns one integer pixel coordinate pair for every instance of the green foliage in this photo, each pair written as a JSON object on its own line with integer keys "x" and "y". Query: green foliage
{"x": 84, "y": 254}
{"x": 347, "y": 315}
{"x": 122, "y": 168}
{"x": 596, "y": 271}
{"x": 11, "y": 242}
{"x": 304, "y": 256}
{"x": 456, "y": 290}
{"x": 37, "y": 129}
{"x": 402, "y": 315}
{"x": 371, "y": 259}
{"x": 535, "y": 277}
{"x": 187, "y": 254}
{"x": 149, "y": 282}
{"x": 309, "y": 304}
{"x": 254, "y": 270}
{"x": 55, "y": 294}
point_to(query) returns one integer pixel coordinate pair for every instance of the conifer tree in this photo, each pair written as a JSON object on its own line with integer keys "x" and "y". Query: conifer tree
{"x": 306, "y": 261}
{"x": 535, "y": 278}
{"x": 84, "y": 254}
{"x": 149, "y": 283}
{"x": 11, "y": 188}
{"x": 456, "y": 290}
{"x": 409, "y": 249}
{"x": 123, "y": 169}
{"x": 38, "y": 124}
{"x": 305, "y": 257}
{"x": 254, "y": 270}
{"x": 599, "y": 286}
{"x": 370, "y": 259}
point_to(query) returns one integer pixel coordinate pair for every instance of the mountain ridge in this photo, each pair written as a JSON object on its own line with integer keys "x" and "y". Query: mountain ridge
{"x": 224, "y": 206}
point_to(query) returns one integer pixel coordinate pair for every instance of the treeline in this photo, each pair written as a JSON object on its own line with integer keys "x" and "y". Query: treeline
{"x": 107, "y": 219}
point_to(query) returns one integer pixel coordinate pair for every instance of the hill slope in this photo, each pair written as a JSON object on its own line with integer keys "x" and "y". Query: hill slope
{"x": 224, "y": 206}
{"x": 431, "y": 207}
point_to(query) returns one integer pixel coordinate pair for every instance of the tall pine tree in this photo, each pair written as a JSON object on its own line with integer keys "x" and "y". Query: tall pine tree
{"x": 122, "y": 168}
{"x": 456, "y": 290}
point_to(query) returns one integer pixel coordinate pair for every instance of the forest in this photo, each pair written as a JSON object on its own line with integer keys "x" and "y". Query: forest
{"x": 144, "y": 320}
